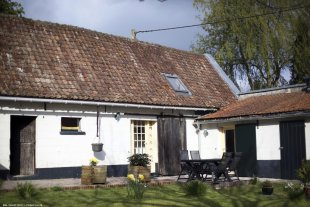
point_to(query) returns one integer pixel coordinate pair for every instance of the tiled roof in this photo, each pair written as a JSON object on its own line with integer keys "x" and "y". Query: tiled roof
{"x": 48, "y": 60}
{"x": 264, "y": 105}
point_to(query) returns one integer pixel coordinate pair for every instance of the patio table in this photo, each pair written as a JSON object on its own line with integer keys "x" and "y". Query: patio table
{"x": 198, "y": 165}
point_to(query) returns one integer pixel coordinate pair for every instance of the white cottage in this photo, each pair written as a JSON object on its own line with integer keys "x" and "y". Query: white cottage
{"x": 270, "y": 127}
{"x": 55, "y": 80}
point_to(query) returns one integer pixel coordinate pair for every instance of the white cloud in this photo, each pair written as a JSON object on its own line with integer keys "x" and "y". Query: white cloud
{"x": 118, "y": 17}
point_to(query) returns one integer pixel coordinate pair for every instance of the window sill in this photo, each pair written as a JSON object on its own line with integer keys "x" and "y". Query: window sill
{"x": 72, "y": 133}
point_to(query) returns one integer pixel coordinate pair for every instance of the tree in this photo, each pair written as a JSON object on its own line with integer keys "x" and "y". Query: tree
{"x": 255, "y": 40}
{"x": 10, "y": 7}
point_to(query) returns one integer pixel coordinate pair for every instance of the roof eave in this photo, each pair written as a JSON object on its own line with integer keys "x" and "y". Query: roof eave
{"x": 254, "y": 117}
{"x": 100, "y": 103}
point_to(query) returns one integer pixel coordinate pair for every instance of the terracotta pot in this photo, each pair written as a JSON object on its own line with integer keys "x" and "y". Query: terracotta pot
{"x": 267, "y": 190}
{"x": 136, "y": 170}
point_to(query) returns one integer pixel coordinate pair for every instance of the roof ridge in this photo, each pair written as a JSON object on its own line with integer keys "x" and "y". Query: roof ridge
{"x": 98, "y": 32}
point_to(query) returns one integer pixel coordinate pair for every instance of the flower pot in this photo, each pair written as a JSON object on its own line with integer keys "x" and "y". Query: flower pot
{"x": 87, "y": 175}
{"x": 307, "y": 191}
{"x": 99, "y": 174}
{"x": 136, "y": 170}
{"x": 97, "y": 147}
{"x": 267, "y": 190}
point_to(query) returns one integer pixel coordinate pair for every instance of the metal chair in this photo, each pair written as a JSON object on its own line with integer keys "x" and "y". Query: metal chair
{"x": 185, "y": 168}
{"x": 222, "y": 168}
{"x": 195, "y": 155}
{"x": 234, "y": 164}
{"x": 203, "y": 170}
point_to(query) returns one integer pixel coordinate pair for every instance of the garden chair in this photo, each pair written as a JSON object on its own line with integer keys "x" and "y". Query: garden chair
{"x": 203, "y": 170}
{"x": 186, "y": 169}
{"x": 234, "y": 164}
{"x": 195, "y": 155}
{"x": 223, "y": 166}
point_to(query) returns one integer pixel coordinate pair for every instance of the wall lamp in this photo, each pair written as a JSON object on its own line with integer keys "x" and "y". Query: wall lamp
{"x": 117, "y": 116}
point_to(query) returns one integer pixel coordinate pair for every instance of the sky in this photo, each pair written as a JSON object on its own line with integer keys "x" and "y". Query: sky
{"x": 119, "y": 17}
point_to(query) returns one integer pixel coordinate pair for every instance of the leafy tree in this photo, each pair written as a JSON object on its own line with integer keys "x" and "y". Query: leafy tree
{"x": 10, "y": 7}
{"x": 256, "y": 40}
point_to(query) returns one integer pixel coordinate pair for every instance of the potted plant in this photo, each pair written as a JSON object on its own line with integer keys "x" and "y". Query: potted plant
{"x": 139, "y": 164}
{"x": 97, "y": 147}
{"x": 99, "y": 173}
{"x": 92, "y": 173}
{"x": 267, "y": 188}
{"x": 88, "y": 172}
{"x": 303, "y": 174}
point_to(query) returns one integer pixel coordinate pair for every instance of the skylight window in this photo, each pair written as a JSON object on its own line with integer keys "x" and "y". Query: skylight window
{"x": 176, "y": 84}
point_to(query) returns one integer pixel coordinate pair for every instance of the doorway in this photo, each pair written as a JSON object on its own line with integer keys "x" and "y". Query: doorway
{"x": 246, "y": 143}
{"x": 22, "y": 145}
{"x": 230, "y": 140}
{"x": 293, "y": 147}
{"x": 171, "y": 140}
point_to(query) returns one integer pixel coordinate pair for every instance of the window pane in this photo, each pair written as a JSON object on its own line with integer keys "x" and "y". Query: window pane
{"x": 70, "y": 124}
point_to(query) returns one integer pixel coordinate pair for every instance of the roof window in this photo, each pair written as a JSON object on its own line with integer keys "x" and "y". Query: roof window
{"x": 176, "y": 84}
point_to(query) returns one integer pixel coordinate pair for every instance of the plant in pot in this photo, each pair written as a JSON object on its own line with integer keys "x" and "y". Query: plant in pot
{"x": 139, "y": 164}
{"x": 97, "y": 146}
{"x": 303, "y": 174}
{"x": 267, "y": 187}
{"x": 99, "y": 173}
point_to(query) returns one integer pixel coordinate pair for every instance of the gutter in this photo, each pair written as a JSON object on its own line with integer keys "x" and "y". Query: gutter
{"x": 253, "y": 118}
{"x": 93, "y": 103}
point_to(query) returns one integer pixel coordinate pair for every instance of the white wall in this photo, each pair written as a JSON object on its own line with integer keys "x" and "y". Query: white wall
{"x": 268, "y": 141}
{"x": 191, "y": 136}
{"x": 116, "y": 139}
{"x": 210, "y": 146}
{"x": 56, "y": 150}
{"x": 4, "y": 142}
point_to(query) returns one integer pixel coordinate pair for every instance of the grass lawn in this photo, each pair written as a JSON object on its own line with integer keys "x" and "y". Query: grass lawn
{"x": 168, "y": 195}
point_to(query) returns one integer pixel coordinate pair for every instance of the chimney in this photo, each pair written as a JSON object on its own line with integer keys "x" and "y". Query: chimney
{"x": 133, "y": 34}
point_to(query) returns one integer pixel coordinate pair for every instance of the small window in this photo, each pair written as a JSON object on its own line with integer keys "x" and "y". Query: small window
{"x": 176, "y": 84}
{"x": 71, "y": 126}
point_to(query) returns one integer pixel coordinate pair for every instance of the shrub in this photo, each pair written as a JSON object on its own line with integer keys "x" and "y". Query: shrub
{"x": 139, "y": 160}
{"x": 57, "y": 188}
{"x": 294, "y": 190}
{"x": 195, "y": 188}
{"x": 303, "y": 173}
{"x": 25, "y": 190}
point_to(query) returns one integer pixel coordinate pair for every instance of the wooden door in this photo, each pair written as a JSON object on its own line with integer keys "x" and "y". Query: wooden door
{"x": 293, "y": 147}
{"x": 246, "y": 143}
{"x": 171, "y": 139}
{"x": 22, "y": 145}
